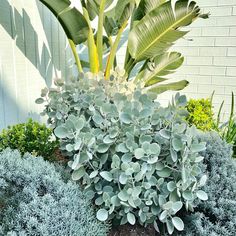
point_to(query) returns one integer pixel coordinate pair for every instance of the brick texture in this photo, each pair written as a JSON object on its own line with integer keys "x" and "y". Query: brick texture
{"x": 210, "y": 55}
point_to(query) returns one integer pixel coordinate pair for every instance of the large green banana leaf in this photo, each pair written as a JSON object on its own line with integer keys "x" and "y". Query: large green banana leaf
{"x": 175, "y": 86}
{"x": 72, "y": 21}
{"x": 153, "y": 71}
{"x": 145, "y": 6}
{"x": 156, "y": 32}
{"x": 115, "y": 17}
{"x": 93, "y": 6}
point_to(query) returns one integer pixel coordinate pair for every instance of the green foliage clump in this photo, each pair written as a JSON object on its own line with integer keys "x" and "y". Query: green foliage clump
{"x": 29, "y": 137}
{"x": 137, "y": 160}
{"x": 201, "y": 114}
{"x": 36, "y": 200}
{"x": 217, "y": 216}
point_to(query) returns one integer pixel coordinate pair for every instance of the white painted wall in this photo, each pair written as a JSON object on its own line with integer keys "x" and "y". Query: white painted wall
{"x": 34, "y": 49}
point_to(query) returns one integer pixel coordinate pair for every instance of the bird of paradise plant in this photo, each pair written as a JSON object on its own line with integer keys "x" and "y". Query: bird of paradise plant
{"x": 154, "y": 26}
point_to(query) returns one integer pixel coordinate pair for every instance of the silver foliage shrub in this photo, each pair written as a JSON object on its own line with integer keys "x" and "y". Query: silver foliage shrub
{"x": 137, "y": 160}
{"x": 217, "y": 216}
{"x": 36, "y": 200}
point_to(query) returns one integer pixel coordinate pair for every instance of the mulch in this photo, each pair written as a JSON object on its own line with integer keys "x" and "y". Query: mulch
{"x": 130, "y": 230}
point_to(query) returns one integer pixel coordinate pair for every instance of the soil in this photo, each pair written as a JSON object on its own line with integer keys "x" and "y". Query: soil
{"x": 60, "y": 158}
{"x": 129, "y": 230}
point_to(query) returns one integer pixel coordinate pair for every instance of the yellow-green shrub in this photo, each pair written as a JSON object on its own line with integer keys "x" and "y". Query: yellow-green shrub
{"x": 201, "y": 114}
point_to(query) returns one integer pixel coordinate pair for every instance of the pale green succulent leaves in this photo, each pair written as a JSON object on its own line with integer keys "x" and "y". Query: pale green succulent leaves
{"x": 132, "y": 156}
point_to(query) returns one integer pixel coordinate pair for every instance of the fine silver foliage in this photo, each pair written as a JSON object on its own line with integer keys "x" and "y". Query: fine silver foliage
{"x": 217, "y": 216}
{"x": 37, "y": 200}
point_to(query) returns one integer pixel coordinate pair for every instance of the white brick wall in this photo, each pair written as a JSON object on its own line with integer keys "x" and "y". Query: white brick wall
{"x": 210, "y": 56}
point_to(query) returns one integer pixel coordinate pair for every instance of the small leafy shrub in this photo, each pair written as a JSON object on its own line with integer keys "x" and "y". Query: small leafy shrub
{"x": 137, "y": 160}
{"x": 37, "y": 200}
{"x": 217, "y": 216}
{"x": 29, "y": 137}
{"x": 201, "y": 114}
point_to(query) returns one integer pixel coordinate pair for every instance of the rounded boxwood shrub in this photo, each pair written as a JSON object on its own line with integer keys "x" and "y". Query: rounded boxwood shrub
{"x": 217, "y": 216}
{"x": 30, "y": 137}
{"x": 36, "y": 200}
{"x": 138, "y": 161}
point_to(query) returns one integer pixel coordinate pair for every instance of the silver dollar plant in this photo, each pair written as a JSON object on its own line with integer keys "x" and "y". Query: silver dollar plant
{"x": 138, "y": 161}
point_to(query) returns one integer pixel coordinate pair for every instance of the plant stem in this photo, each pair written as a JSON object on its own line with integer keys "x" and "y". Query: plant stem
{"x": 114, "y": 47}
{"x": 76, "y": 56}
{"x": 100, "y": 33}
{"x": 129, "y": 66}
{"x": 92, "y": 48}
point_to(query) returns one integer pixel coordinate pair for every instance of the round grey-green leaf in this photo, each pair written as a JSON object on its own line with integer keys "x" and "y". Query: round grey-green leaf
{"x": 178, "y": 223}
{"x": 170, "y": 227}
{"x": 177, "y": 144}
{"x": 127, "y": 157}
{"x": 108, "y": 140}
{"x": 69, "y": 147}
{"x": 39, "y": 101}
{"x": 131, "y": 218}
{"x": 78, "y": 174}
{"x": 106, "y": 175}
{"x": 123, "y": 195}
{"x": 171, "y": 186}
{"x": 198, "y": 147}
{"x": 203, "y": 180}
{"x": 199, "y": 159}
{"x": 202, "y": 195}
{"x": 80, "y": 124}
{"x": 102, "y": 148}
{"x": 102, "y": 215}
{"x": 188, "y": 195}
{"x": 163, "y": 215}
{"x": 174, "y": 155}
{"x": 90, "y": 194}
{"x": 93, "y": 174}
{"x": 97, "y": 118}
{"x": 177, "y": 206}
{"x": 164, "y": 172}
{"x": 123, "y": 178}
{"x": 125, "y": 118}
{"x": 139, "y": 153}
{"x": 152, "y": 160}
{"x": 61, "y": 132}
{"x": 44, "y": 92}
{"x": 154, "y": 148}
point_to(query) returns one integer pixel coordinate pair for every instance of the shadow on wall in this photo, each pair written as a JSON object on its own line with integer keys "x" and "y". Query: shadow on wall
{"x": 82, "y": 48}
{"x": 62, "y": 48}
{"x": 22, "y": 30}
{"x": 17, "y": 113}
